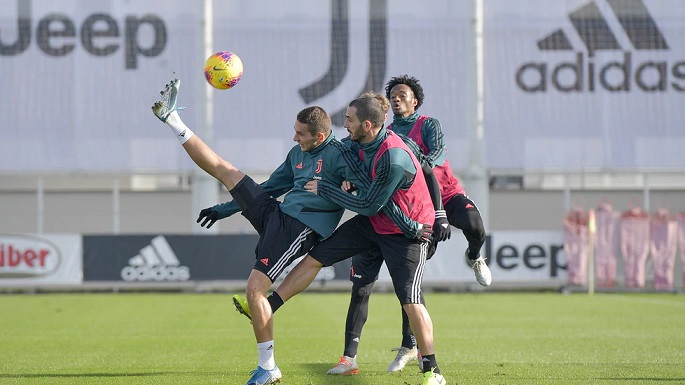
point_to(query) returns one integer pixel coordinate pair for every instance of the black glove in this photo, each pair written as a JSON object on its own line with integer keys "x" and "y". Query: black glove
{"x": 442, "y": 230}
{"x": 425, "y": 233}
{"x": 209, "y": 215}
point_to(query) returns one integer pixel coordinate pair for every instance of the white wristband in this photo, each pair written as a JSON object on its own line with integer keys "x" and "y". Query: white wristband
{"x": 180, "y": 130}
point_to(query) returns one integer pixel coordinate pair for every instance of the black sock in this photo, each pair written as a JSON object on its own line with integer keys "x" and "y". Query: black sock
{"x": 357, "y": 313}
{"x": 468, "y": 255}
{"x": 429, "y": 363}
{"x": 351, "y": 344}
{"x": 408, "y": 340}
{"x": 275, "y": 301}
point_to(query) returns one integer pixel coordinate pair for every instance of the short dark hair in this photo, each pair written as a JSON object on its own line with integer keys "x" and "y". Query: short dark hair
{"x": 316, "y": 119}
{"x": 372, "y": 107}
{"x": 409, "y": 81}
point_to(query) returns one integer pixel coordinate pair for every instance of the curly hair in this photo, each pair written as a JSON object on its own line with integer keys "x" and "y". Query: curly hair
{"x": 409, "y": 81}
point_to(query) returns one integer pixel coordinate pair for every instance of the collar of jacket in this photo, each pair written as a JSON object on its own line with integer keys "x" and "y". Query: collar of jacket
{"x": 400, "y": 121}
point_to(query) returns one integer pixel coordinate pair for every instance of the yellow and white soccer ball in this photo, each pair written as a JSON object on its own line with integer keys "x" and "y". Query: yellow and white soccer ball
{"x": 223, "y": 70}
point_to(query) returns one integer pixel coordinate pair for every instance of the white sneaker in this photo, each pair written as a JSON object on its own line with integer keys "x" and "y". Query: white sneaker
{"x": 164, "y": 107}
{"x": 404, "y": 356}
{"x": 265, "y": 377}
{"x": 345, "y": 367}
{"x": 480, "y": 268}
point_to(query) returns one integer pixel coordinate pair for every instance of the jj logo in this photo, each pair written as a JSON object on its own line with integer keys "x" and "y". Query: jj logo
{"x": 340, "y": 49}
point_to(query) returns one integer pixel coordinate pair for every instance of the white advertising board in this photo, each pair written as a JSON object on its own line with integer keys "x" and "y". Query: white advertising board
{"x": 568, "y": 84}
{"x": 513, "y": 257}
{"x": 46, "y": 259}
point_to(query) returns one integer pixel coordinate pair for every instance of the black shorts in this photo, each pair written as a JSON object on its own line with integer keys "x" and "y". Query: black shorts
{"x": 366, "y": 266}
{"x": 404, "y": 257}
{"x": 282, "y": 238}
{"x": 457, "y": 210}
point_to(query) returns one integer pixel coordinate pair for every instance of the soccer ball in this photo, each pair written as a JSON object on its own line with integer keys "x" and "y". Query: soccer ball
{"x": 223, "y": 70}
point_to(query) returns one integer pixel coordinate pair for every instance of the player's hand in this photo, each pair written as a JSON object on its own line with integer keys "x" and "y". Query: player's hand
{"x": 442, "y": 230}
{"x": 348, "y": 186}
{"x": 312, "y": 186}
{"x": 425, "y": 233}
{"x": 209, "y": 215}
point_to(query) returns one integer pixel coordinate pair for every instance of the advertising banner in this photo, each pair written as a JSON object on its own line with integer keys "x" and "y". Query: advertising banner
{"x": 584, "y": 84}
{"x": 175, "y": 258}
{"x": 27, "y": 260}
{"x": 518, "y": 257}
{"x": 46, "y": 259}
{"x": 568, "y": 84}
{"x": 79, "y": 76}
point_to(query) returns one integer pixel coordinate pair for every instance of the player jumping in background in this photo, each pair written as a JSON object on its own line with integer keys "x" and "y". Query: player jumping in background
{"x": 406, "y": 96}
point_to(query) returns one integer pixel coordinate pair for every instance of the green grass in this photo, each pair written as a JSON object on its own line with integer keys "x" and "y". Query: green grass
{"x": 488, "y": 338}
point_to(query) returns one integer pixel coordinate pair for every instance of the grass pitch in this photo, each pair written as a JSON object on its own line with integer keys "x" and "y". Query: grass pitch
{"x": 488, "y": 338}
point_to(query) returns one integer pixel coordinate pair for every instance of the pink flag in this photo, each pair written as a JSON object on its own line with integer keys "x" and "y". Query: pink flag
{"x": 664, "y": 234}
{"x": 606, "y": 245}
{"x": 576, "y": 245}
{"x": 634, "y": 246}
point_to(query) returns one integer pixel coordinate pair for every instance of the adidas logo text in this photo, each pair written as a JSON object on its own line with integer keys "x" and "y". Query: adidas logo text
{"x": 585, "y": 72}
{"x": 156, "y": 262}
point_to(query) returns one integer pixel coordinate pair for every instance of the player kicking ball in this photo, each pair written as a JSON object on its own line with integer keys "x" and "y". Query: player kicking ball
{"x": 288, "y": 228}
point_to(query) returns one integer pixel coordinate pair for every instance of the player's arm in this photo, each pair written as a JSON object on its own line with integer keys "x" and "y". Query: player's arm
{"x": 389, "y": 178}
{"x": 366, "y": 205}
{"x": 409, "y": 227}
{"x": 431, "y": 181}
{"x": 434, "y": 139}
{"x": 353, "y": 169}
{"x": 281, "y": 180}
{"x": 278, "y": 183}
{"x": 441, "y": 227}
{"x": 433, "y": 186}
{"x": 355, "y": 173}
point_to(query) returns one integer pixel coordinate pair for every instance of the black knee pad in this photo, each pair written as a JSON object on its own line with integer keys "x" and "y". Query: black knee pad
{"x": 361, "y": 292}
